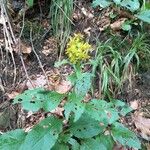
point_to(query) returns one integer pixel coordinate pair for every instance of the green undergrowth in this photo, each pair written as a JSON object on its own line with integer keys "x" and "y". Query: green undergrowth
{"x": 84, "y": 125}
{"x": 92, "y": 125}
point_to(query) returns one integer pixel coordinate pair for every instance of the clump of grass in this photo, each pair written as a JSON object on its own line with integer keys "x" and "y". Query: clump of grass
{"x": 117, "y": 64}
{"x": 61, "y": 13}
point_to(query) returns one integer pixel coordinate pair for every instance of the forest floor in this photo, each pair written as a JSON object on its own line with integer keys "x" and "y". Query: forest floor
{"x": 33, "y": 68}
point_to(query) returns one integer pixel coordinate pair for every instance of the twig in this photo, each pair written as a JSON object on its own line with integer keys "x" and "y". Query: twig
{"x": 40, "y": 63}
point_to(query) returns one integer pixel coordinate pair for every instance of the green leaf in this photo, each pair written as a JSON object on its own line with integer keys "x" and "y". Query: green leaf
{"x": 92, "y": 144}
{"x": 30, "y": 2}
{"x": 102, "y": 111}
{"x": 144, "y": 16}
{"x": 121, "y": 107}
{"x": 132, "y": 5}
{"x": 124, "y": 136}
{"x": 83, "y": 84}
{"x": 39, "y": 98}
{"x": 125, "y": 110}
{"x": 75, "y": 145}
{"x": 101, "y": 3}
{"x": 44, "y": 135}
{"x": 86, "y": 127}
{"x": 117, "y": 1}
{"x": 31, "y": 99}
{"x": 72, "y": 78}
{"x": 60, "y": 63}
{"x": 106, "y": 140}
{"x": 60, "y": 146}
{"x": 74, "y": 105}
{"x": 12, "y": 140}
{"x": 52, "y": 100}
{"x": 126, "y": 26}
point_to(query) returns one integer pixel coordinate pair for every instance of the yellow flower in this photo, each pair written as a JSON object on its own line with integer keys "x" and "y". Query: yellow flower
{"x": 78, "y": 49}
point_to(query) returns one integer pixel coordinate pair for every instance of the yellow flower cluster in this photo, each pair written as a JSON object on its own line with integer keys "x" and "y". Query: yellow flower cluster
{"x": 77, "y": 49}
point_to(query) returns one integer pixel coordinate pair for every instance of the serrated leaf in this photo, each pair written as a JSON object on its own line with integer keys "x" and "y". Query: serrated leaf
{"x": 30, "y": 2}
{"x": 124, "y": 136}
{"x": 74, "y": 105}
{"x": 92, "y": 144}
{"x": 132, "y": 5}
{"x": 101, "y": 3}
{"x": 44, "y": 135}
{"x": 83, "y": 84}
{"x": 12, "y": 140}
{"x": 144, "y": 16}
{"x": 39, "y": 98}
{"x": 86, "y": 127}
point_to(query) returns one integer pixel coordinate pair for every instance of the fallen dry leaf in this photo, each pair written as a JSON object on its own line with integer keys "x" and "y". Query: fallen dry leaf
{"x": 37, "y": 81}
{"x": 142, "y": 124}
{"x": 13, "y": 94}
{"x": 58, "y": 111}
{"x": 118, "y": 24}
{"x": 63, "y": 87}
{"x": 134, "y": 104}
{"x": 22, "y": 47}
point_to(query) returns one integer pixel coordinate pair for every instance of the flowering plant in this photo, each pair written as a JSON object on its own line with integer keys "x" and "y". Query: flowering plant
{"x": 78, "y": 49}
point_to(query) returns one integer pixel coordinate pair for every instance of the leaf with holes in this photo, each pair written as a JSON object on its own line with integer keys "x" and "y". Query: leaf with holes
{"x": 74, "y": 105}
{"x": 132, "y": 5}
{"x": 86, "y": 127}
{"x": 52, "y": 100}
{"x": 31, "y": 99}
{"x": 124, "y": 136}
{"x": 44, "y": 135}
{"x": 92, "y": 144}
{"x": 12, "y": 140}
{"x": 39, "y": 98}
{"x": 83, "y": 84}
{"x": 144, "y": 16}
{"x": 102, "y": 111}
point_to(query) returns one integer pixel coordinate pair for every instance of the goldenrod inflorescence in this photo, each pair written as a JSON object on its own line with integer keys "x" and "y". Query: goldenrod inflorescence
{"x": 78, "y": 49}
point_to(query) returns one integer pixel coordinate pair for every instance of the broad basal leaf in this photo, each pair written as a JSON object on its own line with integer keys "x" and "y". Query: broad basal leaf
{"x": 74, "y": 105}
{"x": 144, "y": 16}
{"x": 124, "y": 136}
{"x": 39, "y": 98}
{"x": 132, "y": 5}
{"x": 83, "y": 84}
{"x": 12, "y": 140}
{"x": 44, "y": 135}
{"x": 92, "y": 144}
{"x": 86, "y": 127}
